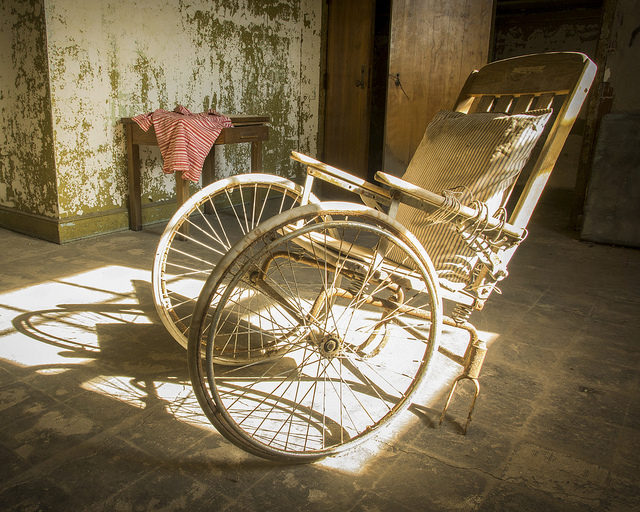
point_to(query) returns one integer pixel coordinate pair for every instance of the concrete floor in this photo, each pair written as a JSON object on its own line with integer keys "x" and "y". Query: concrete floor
{"x": 96, "y": 411}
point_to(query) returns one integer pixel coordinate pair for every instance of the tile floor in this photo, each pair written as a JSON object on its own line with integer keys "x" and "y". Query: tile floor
{"x": 96, "y": 411}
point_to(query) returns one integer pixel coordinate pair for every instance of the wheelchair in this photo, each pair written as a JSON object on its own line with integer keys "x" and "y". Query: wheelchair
{"x": 311, "y": 325}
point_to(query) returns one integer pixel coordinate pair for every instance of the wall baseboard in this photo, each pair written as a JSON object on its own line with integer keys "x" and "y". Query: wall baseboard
{"x": 77, "y": 227}
{"x": 30, "y": 224}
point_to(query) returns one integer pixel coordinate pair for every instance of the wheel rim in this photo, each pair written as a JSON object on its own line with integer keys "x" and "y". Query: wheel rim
{"x": 216, "y": 216}
{"x": 325, "y": 386}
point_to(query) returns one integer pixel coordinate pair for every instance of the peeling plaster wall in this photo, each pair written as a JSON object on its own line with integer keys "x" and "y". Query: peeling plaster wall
{"x": 27, "y": 170}
{"x": 120, "y": 58}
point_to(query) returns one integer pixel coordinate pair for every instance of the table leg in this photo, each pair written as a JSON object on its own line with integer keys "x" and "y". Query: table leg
{"x": 182, "y": 194}
{"x": 256, "y": 156}
{"x": 209, "y": 168}
{"x": 209, "y": 175}
{"x": 133, "y": 168}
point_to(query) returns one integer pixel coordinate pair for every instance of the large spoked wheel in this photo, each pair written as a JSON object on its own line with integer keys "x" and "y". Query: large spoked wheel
{"x": 334, "y": 337}
{"x": 201, "y": 232}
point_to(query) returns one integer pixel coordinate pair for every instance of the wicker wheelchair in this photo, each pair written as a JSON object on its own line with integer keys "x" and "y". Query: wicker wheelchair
{"x": 314, "y": 324}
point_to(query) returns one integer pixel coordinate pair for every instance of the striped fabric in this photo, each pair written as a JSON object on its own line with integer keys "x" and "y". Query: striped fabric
{"x": 184, "y": 138}
{"x": 472, "y": 157}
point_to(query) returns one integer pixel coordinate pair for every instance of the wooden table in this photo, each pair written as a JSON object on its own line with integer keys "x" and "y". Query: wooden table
{"x": 251, "y": 129}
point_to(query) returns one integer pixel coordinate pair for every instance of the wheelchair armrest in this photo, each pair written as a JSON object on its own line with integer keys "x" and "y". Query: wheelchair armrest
{"x": 421, "y": 198}
{"x": 343, "y": 179}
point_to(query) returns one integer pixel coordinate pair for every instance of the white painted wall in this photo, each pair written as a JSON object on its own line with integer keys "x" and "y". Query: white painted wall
{"x": 116, "y": 59}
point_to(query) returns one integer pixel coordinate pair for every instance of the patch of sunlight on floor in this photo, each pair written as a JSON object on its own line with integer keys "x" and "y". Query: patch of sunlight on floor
{"x": 67, "y": 322}
{"x": 178, "y": 398}
{"x": 56, "y": 325}
{"x": 55, "y": 322}
{"x": 440, "y": 375}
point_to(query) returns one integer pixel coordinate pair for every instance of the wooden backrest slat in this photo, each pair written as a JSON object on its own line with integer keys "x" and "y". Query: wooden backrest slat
{"x": 522, "y": 104}
{"x": 529, "y": 74}
{"x": 502, "y": 104}
{"x": 542, "y": 101}
{"x": 485, "y": 103}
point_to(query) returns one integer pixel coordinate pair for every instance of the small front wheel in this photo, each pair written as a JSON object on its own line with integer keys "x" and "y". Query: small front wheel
{"x": 201, "y": 232}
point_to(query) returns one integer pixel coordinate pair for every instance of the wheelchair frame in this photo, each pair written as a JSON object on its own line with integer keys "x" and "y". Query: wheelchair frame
{"x": 555, "y": 80}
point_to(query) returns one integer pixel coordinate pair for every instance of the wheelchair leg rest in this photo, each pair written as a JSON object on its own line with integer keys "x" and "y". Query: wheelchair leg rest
{"x": 474, "y": 358}
{"x": 473, "y": 401}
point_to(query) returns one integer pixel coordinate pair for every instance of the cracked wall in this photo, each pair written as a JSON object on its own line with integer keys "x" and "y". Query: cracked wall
{"x": 108, "y": 60}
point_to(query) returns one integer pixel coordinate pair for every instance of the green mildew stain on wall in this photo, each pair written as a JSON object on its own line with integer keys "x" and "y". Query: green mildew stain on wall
{"x": 156, "y": 185}
{"x": 267, "y": 88}
{"x": 258, "y": 66}
{"x": 151, "y": 76}
{"x": 274, "y": 9}
{"x": 27, "y": 170}
{"x": 235, "y": 56}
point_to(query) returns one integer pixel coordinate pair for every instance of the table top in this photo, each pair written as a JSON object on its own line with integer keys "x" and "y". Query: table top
{"x": 237, "y": 120}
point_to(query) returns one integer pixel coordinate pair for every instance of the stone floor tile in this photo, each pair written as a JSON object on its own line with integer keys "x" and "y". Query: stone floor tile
{"x": 301, "y": 487}
{"x": 11, "y": 464}
{"x": 597, "y": 373}
{"x": 419, "y": 482}
{"x": 7, "y": 375}
{"x": 528, "y": 358}
{"x": 19, "y": 401}
{"x": 481, "y": 448}
{"x": 109, "y": 412}
{"x": 612, "y": 347}
{"x": 577, "y": 399}
{"x": 99, "y": 468}
{"x": 165, "y": 489}
{"x": 587, "y": 438}
{"x": 160, "y": 434}
{"x": 624, "y": 494}
{"x": 373, "y": 502}
{"x": 626, "y": 463}
{"x": 507, "y": 397}
{"x": 616, "y": 310}
{"x": 39, "y": 493}
{"x": 514, "y": 497}
{"x": 581, "y": 304}
{"x": 548, "y": 328}
{"x": 59, "y": 382}
{"x": 45, "y": 432}
{"x": 555, "y": 473}
{"x": 500, "y": 317}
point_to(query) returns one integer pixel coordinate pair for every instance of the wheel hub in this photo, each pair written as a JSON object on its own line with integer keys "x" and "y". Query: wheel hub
{"x": 330, "y": 345}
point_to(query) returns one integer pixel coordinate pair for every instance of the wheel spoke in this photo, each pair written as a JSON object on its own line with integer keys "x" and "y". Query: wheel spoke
{"x": 202, "y": 232}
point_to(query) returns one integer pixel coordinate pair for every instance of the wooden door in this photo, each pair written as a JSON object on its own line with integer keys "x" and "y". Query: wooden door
{"x": 434, "y": 46}
{"x": 347, "y": 105}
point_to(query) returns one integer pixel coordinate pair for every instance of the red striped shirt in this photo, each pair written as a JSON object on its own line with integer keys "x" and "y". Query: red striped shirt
{"x": 184, "y": 138}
